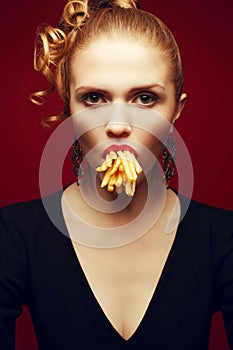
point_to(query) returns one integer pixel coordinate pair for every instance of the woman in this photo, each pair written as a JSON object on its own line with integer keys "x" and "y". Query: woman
{"x": 119, "y": 73}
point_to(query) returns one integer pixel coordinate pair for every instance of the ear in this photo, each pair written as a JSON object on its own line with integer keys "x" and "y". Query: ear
{"x": 180, "y": 107}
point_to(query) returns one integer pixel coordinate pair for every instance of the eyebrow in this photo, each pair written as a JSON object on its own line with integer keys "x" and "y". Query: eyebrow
{"x": 147, "y": 87}
{"x": 83, "y": 89}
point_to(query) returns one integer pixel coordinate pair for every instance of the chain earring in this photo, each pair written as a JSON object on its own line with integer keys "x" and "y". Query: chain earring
{"x": 77, "y": 159}
{"x": 169, "y": 160}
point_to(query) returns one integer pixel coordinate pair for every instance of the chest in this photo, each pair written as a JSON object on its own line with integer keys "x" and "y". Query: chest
{"x": 123, "y": 280}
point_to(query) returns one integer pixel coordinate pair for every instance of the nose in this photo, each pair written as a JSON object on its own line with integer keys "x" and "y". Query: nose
{"x": 118, "y": 129}
{"x": 118, "y": 124}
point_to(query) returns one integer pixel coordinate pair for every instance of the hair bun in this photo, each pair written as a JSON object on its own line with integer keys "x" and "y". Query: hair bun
{"x": 127, "y": 3}
{"x": 95, "y": 5}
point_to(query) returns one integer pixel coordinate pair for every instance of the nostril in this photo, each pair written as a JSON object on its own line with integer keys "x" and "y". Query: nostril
{"x": 114, "y": 134}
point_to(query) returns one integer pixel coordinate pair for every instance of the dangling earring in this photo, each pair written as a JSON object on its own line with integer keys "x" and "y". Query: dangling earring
{"x": 77, "y": 159}
{"x": 169, "y": 160}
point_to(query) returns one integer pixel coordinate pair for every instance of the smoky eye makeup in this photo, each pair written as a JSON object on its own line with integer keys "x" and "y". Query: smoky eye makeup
{"x": 92, "y": 98}
{"x": 89, "y": 99}
{"x": 148, "y": 96}
{"x": 148, "y": 99}
{"x": 142, "y": 97}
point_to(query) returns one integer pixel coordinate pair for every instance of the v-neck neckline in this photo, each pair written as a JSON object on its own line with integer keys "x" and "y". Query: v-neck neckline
{"x": 155, "y": 295}
{"x": 156, "y": 291}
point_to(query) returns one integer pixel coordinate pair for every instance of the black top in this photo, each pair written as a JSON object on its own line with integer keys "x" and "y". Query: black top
{"x": 39, "y": 268}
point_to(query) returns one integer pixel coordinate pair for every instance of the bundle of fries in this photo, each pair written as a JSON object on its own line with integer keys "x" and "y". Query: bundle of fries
{"x": 121, "y": 169}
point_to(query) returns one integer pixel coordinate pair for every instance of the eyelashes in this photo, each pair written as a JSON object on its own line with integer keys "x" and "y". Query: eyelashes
{"x": 93, "y": 99}
{"x": 145, "y": 99}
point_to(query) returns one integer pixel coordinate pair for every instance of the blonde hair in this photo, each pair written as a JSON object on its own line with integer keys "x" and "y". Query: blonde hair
{"x": 84, "y": 21}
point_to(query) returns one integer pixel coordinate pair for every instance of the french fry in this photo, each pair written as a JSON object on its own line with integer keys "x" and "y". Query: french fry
{"x": 119, "y": 189}
{"x": 125, "y": 165}
{"x": 131, "y": 165}
{"x": 113, "y": 180}
{"x": 130, "y": 188}
{"x": 113, "y": 155}
{"x": 137, "y": 165}
{"x": 121, "y": 169}
{"x": 110, "y": 188}
{"x": 119, "y": 179}
{"x": 115, "y": 166}
{"x": 106, "y": 178}
{"x": 109, "y": 158}
{"x": 103, "y": 167}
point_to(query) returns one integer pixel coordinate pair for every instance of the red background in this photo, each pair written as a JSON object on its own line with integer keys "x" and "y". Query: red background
{"x": 204, "y": 32}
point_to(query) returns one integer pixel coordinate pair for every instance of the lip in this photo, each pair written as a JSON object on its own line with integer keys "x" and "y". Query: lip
{"x": 116, "y": 148}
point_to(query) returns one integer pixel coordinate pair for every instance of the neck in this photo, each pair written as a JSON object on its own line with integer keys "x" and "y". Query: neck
{"x": 121, "y": 207}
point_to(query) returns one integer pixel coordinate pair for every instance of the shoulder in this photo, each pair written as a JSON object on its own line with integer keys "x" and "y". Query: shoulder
{"x": 21, "y": 210}
{"x": 210, "y": 227}
{"x": 203, "y": 214}
{"x": 29, "y": 215}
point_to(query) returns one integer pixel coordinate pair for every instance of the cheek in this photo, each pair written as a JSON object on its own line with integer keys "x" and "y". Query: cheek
{"x": 153, "y": 133}
{"x": 88, "y": 140}
{"x": 154, "y": 145}
{"x": 91, "y": 141}
{"x": 74, "y": 107}
{"x": 167, "y": 110}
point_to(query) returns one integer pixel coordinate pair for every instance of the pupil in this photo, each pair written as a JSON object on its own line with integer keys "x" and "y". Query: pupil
{"x": 145, "y": 98}
{"x": 94, "y": 98}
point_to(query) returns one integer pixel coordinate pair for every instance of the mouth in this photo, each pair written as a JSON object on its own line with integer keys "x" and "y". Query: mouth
{"x": 121, "y": 169}
{"x": 116, "y": 148}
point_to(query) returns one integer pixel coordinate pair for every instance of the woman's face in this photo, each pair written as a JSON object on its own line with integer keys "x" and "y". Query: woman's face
{"x": 120, "y": 72}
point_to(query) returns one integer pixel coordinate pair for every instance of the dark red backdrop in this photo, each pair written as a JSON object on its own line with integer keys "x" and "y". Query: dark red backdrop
{"x": 204, "y": 31}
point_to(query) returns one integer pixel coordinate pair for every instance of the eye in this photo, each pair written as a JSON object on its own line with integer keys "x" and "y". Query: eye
{"x": 146, "y": 99}
{"x": 91, "y": 99}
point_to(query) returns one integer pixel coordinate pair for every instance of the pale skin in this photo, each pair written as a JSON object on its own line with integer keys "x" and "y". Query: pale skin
{"x": 123, "y": 279}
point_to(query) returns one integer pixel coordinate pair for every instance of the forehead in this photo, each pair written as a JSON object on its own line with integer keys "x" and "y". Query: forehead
{"x": 118, "y": 60}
